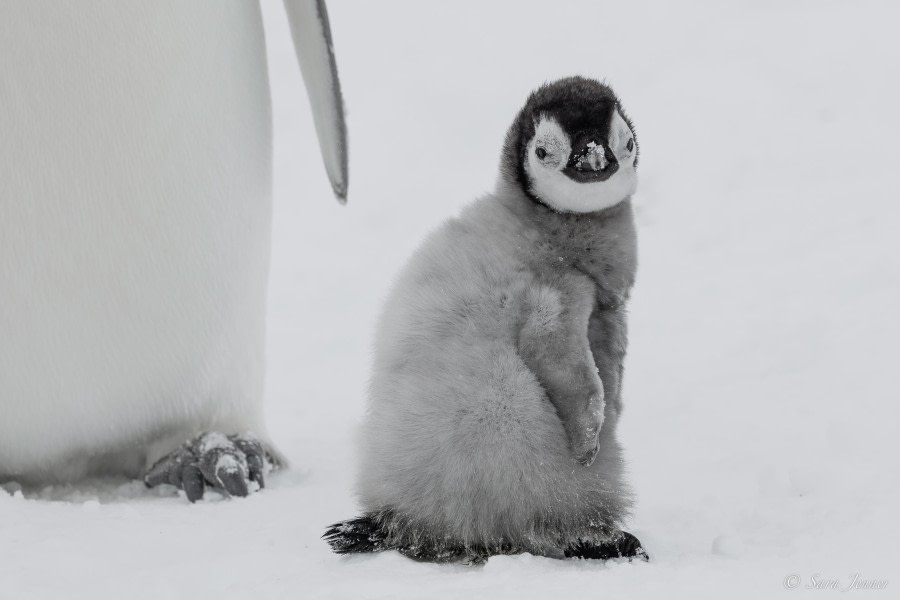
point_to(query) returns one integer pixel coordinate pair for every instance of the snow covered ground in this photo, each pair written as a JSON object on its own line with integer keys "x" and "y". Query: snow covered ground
{"x": 762, "y": 382}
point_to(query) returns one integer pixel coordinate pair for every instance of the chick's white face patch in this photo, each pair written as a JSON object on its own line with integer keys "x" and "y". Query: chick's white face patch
{"x": 619, "y": 137}
{"x": 554, "y": 142}
{"x": 548, "y": 153}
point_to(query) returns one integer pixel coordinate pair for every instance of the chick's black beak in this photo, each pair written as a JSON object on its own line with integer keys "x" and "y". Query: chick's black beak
{"x": 591, "y": 159}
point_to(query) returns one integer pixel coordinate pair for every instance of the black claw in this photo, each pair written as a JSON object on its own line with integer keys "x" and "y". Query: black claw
{"x": 225, "y": 468}
{"x": 177, "y": 463}
{"x": 156, "y": 475}
{"x": 256, "y": 462}
{"x": 257, "y": 469}
{"x": 234, "y": 482}
{"x": 192, "y": 482}
{"x": 168, "y": 469}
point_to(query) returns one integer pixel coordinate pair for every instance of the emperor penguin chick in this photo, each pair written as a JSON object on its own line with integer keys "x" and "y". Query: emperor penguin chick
{"x": 491, "y": 426}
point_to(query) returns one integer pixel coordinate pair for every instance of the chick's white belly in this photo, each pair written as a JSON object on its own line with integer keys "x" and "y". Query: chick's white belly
{"x": 134, "y": 225}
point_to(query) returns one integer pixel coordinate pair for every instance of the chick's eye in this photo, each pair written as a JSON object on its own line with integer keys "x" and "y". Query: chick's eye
{"x": 540, "y": 153}
{"x": 630, "y": 145}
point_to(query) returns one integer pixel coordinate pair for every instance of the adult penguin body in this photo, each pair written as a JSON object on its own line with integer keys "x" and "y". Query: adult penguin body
{"x": 135, "y": 210}
{"x": 496, "y": 386}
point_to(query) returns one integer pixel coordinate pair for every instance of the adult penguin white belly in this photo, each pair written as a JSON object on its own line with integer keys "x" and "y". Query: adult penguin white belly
{"x": 135, "y": 209}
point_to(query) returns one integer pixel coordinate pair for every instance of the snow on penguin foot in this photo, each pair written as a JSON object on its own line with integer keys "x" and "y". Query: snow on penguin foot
{"x": 233, "y": 465}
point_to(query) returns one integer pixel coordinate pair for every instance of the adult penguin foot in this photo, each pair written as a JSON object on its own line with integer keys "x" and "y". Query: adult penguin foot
{"x": 233, "y": 465}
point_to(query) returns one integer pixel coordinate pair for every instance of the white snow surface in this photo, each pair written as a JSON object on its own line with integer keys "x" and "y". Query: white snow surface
{"x": 761, "y": 385}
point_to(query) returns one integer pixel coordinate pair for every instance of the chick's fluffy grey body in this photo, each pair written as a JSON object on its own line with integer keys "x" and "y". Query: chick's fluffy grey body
{"x": 499, "y": 314}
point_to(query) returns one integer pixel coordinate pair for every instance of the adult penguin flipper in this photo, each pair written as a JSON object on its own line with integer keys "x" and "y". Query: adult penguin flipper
{"x": 312, "y": 42}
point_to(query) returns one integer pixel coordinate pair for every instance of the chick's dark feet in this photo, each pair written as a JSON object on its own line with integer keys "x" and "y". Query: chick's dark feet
{"x": 622, "y": 545}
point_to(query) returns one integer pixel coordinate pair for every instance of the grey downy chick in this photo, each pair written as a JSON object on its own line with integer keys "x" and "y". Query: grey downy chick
{"x": 495, "y": 393}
